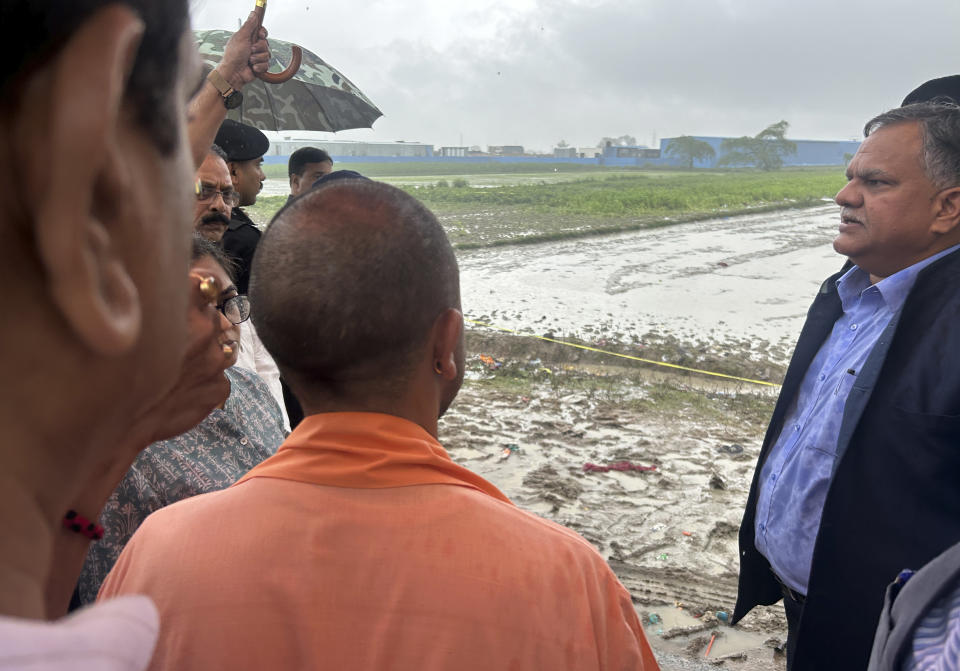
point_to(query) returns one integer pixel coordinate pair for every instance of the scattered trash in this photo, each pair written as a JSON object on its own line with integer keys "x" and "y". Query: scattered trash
{"x": 731, "y": 449}
{"x": 687, "y": 533}
{"x": 723, "y": 616}
{"x": 507, "y": 451}
{"x": 663, "y": 557}
{"x": 654, "y": 618}
{"x": 490, "y": 362}
{"x": 710, "y": 647}
{"x": 616, "y": 466}
{"x": 545, "y": 370}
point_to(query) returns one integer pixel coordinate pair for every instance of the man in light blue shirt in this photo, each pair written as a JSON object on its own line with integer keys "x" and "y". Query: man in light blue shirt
{"x": 820, "y": 528}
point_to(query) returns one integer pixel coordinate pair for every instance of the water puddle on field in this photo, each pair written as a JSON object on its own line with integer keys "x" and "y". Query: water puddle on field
{"x": 729, "y": 641}
{"x": 747, "y": 278}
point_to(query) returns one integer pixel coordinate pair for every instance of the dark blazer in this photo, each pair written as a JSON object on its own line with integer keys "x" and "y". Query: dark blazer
{"x": 894, "y": 500}
{"x": 903, "y": 609}
{"x": 240, "y": 242}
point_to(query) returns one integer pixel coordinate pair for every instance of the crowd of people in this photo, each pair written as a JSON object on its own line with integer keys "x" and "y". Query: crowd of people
{"x": 228, "y": 439}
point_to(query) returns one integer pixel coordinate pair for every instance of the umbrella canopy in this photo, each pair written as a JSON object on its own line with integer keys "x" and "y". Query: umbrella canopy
{"x": 317, "y": 98}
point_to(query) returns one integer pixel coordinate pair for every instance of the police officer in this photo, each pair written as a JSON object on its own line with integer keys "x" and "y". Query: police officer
{"x": 244, "y": 146}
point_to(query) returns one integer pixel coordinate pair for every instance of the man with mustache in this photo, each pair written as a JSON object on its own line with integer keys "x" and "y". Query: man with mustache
{"x": 857, "y": 477}
{"x": 215, "y": 196}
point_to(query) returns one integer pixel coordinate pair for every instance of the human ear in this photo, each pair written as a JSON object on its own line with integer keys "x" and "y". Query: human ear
{"x": 447, "y": 332}
{"x": 77, "y": 207}
{"x": 947, "y": 210}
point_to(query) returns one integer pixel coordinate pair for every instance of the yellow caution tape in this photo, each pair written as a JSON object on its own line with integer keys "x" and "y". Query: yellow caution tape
{"x": 623, "y": 356}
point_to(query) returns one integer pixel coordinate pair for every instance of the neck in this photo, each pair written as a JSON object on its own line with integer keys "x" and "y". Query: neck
{"x": 26, "y": 550}
{"x": 408, "y": 409}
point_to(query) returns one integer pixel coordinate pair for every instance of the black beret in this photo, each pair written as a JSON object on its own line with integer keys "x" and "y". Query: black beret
{"x": 336, "y": 175}
{"x": 943, "y": 87}
{"x": 241, "y": 142}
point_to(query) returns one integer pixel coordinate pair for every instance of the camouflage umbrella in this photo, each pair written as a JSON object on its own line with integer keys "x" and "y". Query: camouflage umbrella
{"x": 317, "y": 98}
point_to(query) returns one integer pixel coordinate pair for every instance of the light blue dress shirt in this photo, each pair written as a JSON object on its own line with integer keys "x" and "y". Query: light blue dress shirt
{"x": 936, "y": 641}
{"x": 797, "y": 472}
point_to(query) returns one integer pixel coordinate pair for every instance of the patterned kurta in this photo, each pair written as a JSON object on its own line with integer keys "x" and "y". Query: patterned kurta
{"x": 211, "y": 456}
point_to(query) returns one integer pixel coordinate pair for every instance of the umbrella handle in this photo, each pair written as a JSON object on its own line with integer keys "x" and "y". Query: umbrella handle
{"x": 277, "y": 77}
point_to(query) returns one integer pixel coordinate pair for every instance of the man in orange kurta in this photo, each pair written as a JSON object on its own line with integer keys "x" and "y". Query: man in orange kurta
{"x": 360, "y": 545}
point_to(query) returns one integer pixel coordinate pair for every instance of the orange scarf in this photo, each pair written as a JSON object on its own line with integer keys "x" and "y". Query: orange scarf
{"x": 366, "y": 450}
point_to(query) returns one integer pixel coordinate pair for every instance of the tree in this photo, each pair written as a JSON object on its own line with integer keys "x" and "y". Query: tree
{"x": 765, "y": 150}
{"x": 622, "y": 141}
{"x": 689, "y": 149}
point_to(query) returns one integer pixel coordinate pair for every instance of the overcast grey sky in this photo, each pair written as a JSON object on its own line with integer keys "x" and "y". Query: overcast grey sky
{"x": 533, "y": 72}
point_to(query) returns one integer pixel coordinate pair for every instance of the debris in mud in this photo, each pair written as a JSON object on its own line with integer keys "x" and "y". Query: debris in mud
{"x": 731, "y": 449}
{"x": 508, "y": 450}
{"x": 695, "y": 646}
{"x": 490, "y": 362}
{"x": 617, "y": 466}
{"x": 716, "y": 482}
{"x": 687, "y": 631}
{"x": 779, "y": 646}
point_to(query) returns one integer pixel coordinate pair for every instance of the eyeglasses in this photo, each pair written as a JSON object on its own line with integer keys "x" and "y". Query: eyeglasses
{"x": 235, "y": 309}
{"x": 207, "y": 192}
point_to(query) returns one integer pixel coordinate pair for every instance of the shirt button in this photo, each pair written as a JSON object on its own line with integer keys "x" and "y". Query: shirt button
{"x": 773, "y": 477}
{"x": 796, "y": 427}
{"x": 853, "y": 327}
{"x": 763, "y": 527}
{"x": 244, "y": 441}
{"x": 822, "y": 377}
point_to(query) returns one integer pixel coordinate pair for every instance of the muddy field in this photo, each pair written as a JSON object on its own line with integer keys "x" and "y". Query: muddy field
{"x": 532, "y": 423}
{"x": 545, "y": 422}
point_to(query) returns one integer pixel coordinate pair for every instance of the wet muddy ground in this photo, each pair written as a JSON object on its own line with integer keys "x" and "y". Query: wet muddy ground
{"x": 537, "y": 419}
{"x": 534, "y": 426}
{"x": 739, "y": 280}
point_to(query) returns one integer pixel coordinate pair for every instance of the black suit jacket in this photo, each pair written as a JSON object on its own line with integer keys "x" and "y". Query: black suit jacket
{"x": 894, "y": 500}
{"x": 240, "y": 242}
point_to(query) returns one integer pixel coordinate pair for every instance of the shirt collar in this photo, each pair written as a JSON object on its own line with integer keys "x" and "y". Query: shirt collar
{"x": 893, "y": 290}
{"x": 366, "y": 450}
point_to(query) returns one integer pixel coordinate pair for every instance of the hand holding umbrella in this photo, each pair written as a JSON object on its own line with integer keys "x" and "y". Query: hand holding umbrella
{"x": 246, "y": 55}
{"x": 297, "y": 53}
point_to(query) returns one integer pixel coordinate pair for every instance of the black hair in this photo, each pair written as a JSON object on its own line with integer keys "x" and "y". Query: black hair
{"x": 203, "y": 247}
{"x": 217, "y": 151}
{"x": 302, "y": 157}
{"x": 347, "y": 282}
{"x": 35, "y": 30}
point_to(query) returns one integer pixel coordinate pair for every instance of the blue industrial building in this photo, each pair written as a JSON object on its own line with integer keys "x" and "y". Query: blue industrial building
{"x": 809, "y": 153}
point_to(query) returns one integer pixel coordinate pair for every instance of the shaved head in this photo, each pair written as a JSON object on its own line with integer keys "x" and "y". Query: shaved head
{"x": 347, "y": 283}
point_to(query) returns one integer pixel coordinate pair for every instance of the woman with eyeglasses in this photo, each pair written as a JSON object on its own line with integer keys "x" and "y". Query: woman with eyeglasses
{"x": 234, "y": 438}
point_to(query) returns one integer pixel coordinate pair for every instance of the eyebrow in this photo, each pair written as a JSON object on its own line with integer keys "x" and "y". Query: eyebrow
{"x": 231, "y": 289}
{"x": 875, "y": 173}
